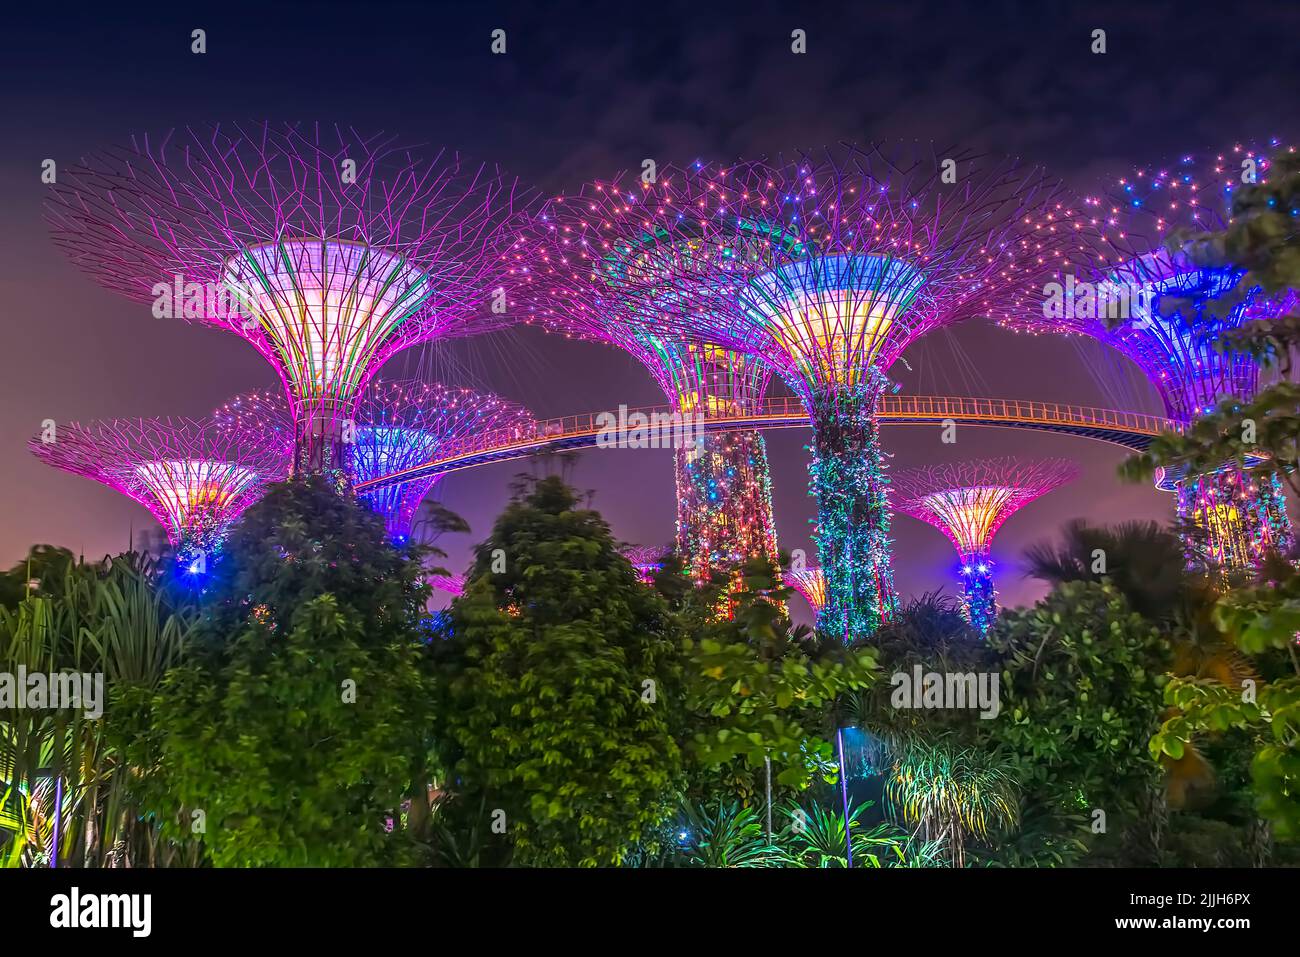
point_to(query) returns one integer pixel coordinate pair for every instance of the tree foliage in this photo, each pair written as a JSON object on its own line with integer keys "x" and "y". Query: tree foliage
{"x": 555, "y": 712}
{"x": 300, "y": 725}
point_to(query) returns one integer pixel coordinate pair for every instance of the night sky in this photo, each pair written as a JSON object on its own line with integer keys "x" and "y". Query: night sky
{"x": 587, "y": 90}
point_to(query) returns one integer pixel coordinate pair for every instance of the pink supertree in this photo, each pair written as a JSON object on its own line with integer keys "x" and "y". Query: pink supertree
{"x": 968, "y": 502}
{"x": 826, "y": 267}
{"x": 194, "y": 476}
{"x": 325, "y": 249}
{"x": 399, "y": 424}
{"x": 811, "y": 584}
{"x": 724, "y": 500}
{"x": 646, "y": 559}
{"x": 1155, "y": 301}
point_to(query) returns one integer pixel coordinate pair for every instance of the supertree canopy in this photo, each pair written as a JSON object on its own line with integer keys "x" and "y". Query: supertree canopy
{"x": 1153, "y": 301}
{"x": 399, "y": 424}
{"x": 826, "y": 267}
{"x": 811, "y": 584}
{"x": 646, "y": 559}
{"x": 325, "y": 249}
{"x": 968, "y": 502}
{"x": 724, "y": 501}
{"x": 192, "y": 475}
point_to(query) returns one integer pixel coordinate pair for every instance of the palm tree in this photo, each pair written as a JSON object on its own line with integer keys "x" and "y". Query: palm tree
{"x": 1146, "y": 562}
{"x": 952, "y": 795}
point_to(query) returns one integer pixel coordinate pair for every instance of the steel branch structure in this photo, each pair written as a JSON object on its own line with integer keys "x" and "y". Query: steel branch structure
{"x": 1153, "y": 301}
{"x": 968, "y": 502}
{"x": 811, "y": 584}
{"x": 826, "y": 267}
{"x": 194, "y": 476}
{"x": 453, "y": 585}
{"x": 724, "y": 501}
{"x": 325, "y": 249}
{"x": 646, "y": 559}
{"x": 403, "y": 423}
{"x": 399, "y": 424}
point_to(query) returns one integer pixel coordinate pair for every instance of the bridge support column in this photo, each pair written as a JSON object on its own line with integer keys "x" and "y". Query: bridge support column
{"x": 852, "y": 535}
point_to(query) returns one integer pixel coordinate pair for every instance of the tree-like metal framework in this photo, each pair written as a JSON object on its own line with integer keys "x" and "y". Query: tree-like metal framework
{"x": 399, "y": 424}
{"x": 405, "y": 423}
{"x": 811, "y": 584}
{"x": 1151, "y": 299}
{"x": 724, "y": 500}
{"x": 194, "y": 476}
{"x": 325, "y": 249}
{"x": 826, "y": 267}
{"x": 968, "y": 502}
{"x": 452, "y": 584}
{"x": 646, "y": 559}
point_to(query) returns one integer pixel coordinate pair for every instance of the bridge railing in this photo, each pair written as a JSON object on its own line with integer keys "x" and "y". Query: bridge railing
{"x": 1020, "y": 410}
{"x": 791, "y": 408}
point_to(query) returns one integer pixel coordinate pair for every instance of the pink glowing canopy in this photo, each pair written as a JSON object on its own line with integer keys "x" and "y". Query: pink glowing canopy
{"x": 1140, "y": 272}
{"x": 808, "y": 582}
{"x": 194, "y": 476}
{"x": 326, "y": 249}
{"x": 825, "y": 266}
{"x": 558, "y": 290}
{"x": 969, "y": 501}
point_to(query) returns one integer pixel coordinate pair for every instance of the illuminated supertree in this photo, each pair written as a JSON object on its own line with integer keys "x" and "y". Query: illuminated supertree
{"x": 811, "y": 584}
{"x": 1149, "y": 300}
{"x": 646, "y": 559}
{"x": 405, "y": 423}
{"x": 724, "y": 496}
{"x": 826, "y": 268}
{"x": 968, "y": 502}
{"x": 192, "y": 475}
{"x": 325, "y": 249}
{"x": 399, "y": 424}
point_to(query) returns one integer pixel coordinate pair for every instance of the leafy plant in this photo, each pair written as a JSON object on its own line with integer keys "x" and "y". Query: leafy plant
{"x": 952, "y": 795}
{"x": 727, "y": 835}
{"x": 815, "y": 837}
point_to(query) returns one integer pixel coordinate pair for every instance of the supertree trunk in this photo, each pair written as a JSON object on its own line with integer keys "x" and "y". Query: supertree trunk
{"x": 979, "y": 599}
{"x": 724, "y": 503}
{"x": 852, "y": 512}
{"x": 1236, "y": 519}
{"x": 321, "y": 445}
